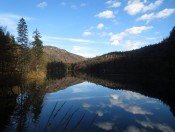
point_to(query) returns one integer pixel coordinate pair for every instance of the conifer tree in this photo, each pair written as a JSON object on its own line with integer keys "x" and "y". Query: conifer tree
{"x": 22, "y": 39}
{"x": 37, "y": 48}
{"x": 22, "y": 33}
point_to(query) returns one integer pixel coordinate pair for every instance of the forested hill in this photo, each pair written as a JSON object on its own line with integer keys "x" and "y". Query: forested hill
{"x": 157, "y": 58}
{"x": 60, "y": 55}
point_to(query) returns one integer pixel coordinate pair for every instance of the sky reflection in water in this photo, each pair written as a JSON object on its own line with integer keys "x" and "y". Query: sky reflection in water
{"x": 92, "y": 107}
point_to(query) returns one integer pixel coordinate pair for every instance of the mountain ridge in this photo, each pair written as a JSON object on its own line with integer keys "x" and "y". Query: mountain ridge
{"x": 157, "y": 58}
{"x": 61, "y": 55}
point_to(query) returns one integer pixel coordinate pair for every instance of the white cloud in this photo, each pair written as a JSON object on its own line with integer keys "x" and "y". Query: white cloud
{"x": 113, "y": 3}
{"x": 137, "y": 110}
{"x": 105, "y": 125}
{"x": 106, "y": 14}
{"x": 79, "y": 89}
{"x": 165, "y": 13}
{"x": 146, "y": 17}
{"x": 87, "y": 33}
{"x": 162, "y": 14}
{"x": 131, "y": 45}
{"x": 136, "y": 6}
{"x": 133, "y": 95}
{"x": 100, "y": 113}
{"x": 42, "y": 4}
{"x": 87, "y": 105}
{"x": 100, "y": 25}
{"x": 137, "y": 30}
{"x": 154, "y": 126}
{"x": 115, "y": 39}
{"x": 133, "y": 7}
{"x": 116, "y": 101}
{"x": 152, "y": 6}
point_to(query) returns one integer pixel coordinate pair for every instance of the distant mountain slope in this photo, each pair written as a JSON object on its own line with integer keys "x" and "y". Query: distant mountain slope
{"x": 56, "y": 54}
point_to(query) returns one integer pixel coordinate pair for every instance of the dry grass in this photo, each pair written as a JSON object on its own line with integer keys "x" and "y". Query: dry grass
{"x": 35, "y": 76}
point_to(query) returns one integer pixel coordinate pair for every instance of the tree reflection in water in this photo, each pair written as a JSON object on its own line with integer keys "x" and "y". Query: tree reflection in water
{"x": 25, "y": 105}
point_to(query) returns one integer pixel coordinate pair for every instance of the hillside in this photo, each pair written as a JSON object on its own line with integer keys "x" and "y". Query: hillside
{"x": 60, "y": 55}
{"x": 158, "y": 58}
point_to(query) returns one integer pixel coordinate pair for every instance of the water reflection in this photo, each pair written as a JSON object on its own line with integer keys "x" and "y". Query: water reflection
{"x": 74, "y": 104}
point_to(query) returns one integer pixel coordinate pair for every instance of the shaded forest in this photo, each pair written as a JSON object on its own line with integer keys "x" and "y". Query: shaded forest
{"x": 10, "y": 53}
{"x": 155, "y": 59}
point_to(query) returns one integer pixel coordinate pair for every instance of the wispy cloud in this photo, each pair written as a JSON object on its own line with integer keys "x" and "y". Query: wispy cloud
{"x": 116, "y": 101}
{"x": 83, "y": 4}
{"x": 113, "y": 3}
{"x": 105, "y": 125}
{"x": 155, "y": 126}
{"x": 42, "y": 4}
{"x": 87, "y": 105}
{"x": 133, "y": 95}
{"x": 106, "y": 14}
{"x": 52, "y": 38}
{"x": 73, "y": 5}
{"x": 162, "y": 14}
{"x": 83, "y": 51}
{"x": 87, "y": 33}
{"x": 80, "y": 90}
{"x": 11, "y": 20}
{"x": 136, "y": 6}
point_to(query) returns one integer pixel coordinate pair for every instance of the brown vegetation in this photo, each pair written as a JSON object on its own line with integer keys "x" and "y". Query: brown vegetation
{"x": 60, "y": 55}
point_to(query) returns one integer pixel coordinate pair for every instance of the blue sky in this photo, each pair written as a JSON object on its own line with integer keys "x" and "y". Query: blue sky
{"x": 92, "y": 27}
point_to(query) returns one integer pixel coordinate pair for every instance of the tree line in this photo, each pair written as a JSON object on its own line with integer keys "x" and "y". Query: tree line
{"x": 19, "y": 57}
{"x": 155, "y": 59}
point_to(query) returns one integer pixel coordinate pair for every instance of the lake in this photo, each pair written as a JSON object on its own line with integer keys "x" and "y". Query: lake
{"x": 86, "y": 104}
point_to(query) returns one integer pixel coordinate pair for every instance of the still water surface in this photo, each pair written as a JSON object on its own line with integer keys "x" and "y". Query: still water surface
{"x": 85, "y": 106}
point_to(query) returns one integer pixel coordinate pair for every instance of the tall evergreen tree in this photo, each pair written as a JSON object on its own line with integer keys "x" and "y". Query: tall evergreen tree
{"x": 22, "y": 33}
{"x": 37, "y": 48}
{"x": 22, "y": 39}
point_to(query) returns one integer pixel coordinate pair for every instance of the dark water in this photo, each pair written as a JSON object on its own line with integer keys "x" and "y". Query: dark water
{"x": 86, "y": 104}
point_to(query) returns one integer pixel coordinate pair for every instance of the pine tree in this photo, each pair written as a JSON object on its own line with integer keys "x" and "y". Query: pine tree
{"x": 37, "y": 49}
{"x": 22, "y": 33}
{"x": 22, "y": 39}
